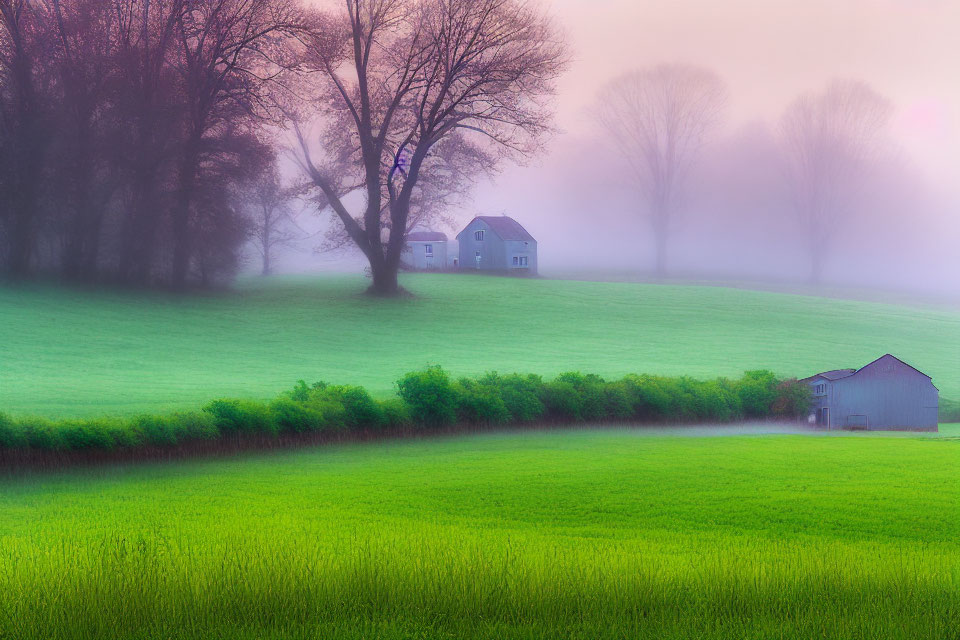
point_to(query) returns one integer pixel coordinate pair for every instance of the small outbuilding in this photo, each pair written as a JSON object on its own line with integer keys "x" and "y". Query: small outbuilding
{"x": 887, "y": 394}
{"x": 426, "y": 251}
{"x": 497, "y": 244}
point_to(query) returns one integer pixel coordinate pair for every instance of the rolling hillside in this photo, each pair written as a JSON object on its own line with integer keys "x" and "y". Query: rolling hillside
{"x": 66, "y": 353}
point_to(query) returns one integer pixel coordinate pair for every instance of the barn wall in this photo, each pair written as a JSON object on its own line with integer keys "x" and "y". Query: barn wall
{"x": 890, "y": 394}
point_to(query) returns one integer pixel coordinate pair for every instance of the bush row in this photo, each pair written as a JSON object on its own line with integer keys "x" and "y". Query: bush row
{"x": 430, "y": 399}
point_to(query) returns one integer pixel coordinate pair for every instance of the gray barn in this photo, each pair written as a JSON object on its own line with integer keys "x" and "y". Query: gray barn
{"x": 887, "y": 394}
{"x": 425, "y": 251}
{"x": 497, "y": 243}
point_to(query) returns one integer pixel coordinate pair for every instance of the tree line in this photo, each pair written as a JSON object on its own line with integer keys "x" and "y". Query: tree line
{"x": 659, "y": 118}
{"x": 126, "y": 129}
{"x": 427, "y": 400}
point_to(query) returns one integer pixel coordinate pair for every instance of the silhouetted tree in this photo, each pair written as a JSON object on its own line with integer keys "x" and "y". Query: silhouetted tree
{"x": 658, "y": 119}
{"x": 267, "y": 203}
{"x": 831, "y": 142}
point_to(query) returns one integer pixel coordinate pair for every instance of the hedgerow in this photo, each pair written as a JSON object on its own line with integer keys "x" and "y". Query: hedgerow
{"x": 429, "y": 399}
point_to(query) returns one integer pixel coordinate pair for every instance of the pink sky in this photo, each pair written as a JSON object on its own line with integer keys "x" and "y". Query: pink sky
{"x": 769, "y": 51}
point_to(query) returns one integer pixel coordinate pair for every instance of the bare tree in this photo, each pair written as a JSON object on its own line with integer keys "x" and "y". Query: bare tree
{"x": 228, "y": 49}
{"x": 831, "y": 143}
{"x": 267, "y": 203}
{"x": 658, "y": 119}
{"x": 398, "y": 80}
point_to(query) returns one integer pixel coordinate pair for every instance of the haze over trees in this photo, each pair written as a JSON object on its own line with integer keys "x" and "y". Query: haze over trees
{"x": 268, "y": 206}
{"x": 658, "y": 119}
{"x": 410, "y": 92}
{"x": 831, "y": 141}
{"x": 125, "y": 127}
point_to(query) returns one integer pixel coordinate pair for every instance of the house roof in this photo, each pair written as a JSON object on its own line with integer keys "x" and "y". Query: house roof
{"x": 837, "y": 374}
{"x": 505, "y": 227}
{"x": 426, "y": 236}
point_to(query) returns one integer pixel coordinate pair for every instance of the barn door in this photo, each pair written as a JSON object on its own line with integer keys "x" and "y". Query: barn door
{"x": 826, "y": 417}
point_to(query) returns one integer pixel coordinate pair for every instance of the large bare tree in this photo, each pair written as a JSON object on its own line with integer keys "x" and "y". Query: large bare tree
{"x": 658, "y": 119}
{"x": 409, "y": 88}
{"x": 831, "y": 142}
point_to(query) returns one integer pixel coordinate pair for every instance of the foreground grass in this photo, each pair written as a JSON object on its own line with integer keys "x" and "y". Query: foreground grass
{"x": 587, "y": 534}
{"x": 66, "y": 354}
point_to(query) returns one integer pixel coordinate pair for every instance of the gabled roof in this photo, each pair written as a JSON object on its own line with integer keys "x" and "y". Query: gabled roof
{"x": 838, "y": 374}
{"x": 887, "y": 355}
{"x": 505, "y": 227}
{"x": 426, "y": 236}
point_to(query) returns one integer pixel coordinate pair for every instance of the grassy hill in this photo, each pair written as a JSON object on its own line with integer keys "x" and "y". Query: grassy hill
{"x": 576, "y": 534}
{"x": 71, "y": 353}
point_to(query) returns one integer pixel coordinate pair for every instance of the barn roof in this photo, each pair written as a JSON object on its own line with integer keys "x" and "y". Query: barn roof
{"x": 837, "y": 374}
{"x": 427, "y": 236}
{"x": 505, "y": 227}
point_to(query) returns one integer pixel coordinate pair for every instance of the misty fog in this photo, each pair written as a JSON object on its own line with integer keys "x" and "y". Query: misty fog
{"x": 736, "y": 223}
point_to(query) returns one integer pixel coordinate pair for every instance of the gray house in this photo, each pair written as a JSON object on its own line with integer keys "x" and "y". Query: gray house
{"x": 425, "y": 251}
{"x": 497, "y": 243}
{"x": 887, "y": 394}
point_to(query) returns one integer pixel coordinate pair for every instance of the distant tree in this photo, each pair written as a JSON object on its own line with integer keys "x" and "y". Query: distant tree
{"x": 272, "y": 226}
{"x": 831, "y": 143}
{"x": 400, "y": 79}
{"x": 658, "y": 119}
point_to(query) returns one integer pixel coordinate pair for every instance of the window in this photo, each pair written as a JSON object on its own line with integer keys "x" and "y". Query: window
{"x": 516, "y": 261}
{"x": 821, "y": 389}
{"x": 523, "y": 261}
{"x": 478, "y": 235}
{"x": 428, "y": 249}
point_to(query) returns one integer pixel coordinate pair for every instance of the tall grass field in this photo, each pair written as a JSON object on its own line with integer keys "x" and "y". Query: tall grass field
{"x": 608, "y": 533}
{"x": 80, "y": 353}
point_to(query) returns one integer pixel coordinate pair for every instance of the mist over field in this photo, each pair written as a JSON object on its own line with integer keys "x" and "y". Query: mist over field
{"x": 736, "y": 221}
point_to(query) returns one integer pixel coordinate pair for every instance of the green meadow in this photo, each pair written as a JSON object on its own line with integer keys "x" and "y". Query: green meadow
{"x": 608, "y": 533}
{"x": 80, "y": 353}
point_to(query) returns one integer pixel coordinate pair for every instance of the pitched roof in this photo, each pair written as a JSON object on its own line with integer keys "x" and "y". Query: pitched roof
{"x": 426, "y": 236}
{"x": 506, "y": 227}
{"x": 837, "y": 374}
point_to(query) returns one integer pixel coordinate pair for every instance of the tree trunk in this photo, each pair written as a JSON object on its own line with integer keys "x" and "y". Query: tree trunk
{"x": 385, "y": 281}
{"x": 660, "y": 239}
{"x": 181, "y": 215}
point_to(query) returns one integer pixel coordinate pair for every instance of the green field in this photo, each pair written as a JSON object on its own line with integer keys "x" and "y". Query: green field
{"x": 576, "y": 534}
{"x": 79, "y": 353}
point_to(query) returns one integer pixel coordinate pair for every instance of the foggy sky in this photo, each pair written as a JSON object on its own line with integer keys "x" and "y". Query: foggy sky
{"x": 768, "y": 52}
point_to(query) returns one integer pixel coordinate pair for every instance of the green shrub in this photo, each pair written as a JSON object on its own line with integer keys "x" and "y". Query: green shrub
{"x": 43, "y": 435}
{"x": 242, "y": 416}
{"x": 617, "y": 401}
{"x": 12, "y": 435}
{"x": 590, "y": 388}
{"x": 520, "y": 394}
{"x": 297, "y": 417}
{"x": 757, "y": 391}
{"x": 396, "y": 413}
{"x": 430, "y": 395}
{"x": 481, "y": 402}
{"x": 792, "y": 399}
{"x": 86, "y": 434}
{"x": 361, "y": 411}
{"x": 562, "y": 401}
